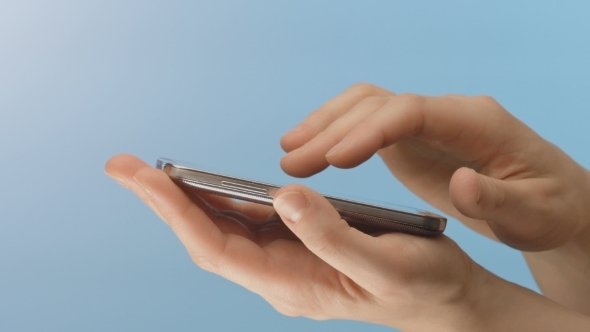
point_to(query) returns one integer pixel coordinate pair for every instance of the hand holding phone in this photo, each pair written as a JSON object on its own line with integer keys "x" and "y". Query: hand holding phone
{"x": 394, "y": 279}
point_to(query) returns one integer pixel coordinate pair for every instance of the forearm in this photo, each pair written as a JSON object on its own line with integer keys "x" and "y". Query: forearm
{"x": 563, "y": 275}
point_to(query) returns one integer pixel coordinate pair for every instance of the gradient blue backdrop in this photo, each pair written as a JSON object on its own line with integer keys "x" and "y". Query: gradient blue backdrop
{"x": 217, "y": 83}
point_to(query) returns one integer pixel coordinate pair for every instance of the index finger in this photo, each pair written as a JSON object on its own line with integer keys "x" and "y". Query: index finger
{"x": 473, "y": 127}
{"x": 321, "y": 118}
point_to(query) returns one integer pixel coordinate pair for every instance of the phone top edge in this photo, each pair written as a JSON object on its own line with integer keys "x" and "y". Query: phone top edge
{"x": 162, "y": 163}
{"x": 183, "y": 173}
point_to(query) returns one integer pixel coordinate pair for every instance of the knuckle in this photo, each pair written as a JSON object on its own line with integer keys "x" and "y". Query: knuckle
{"x": 328, "y": 137}
{"x": 316, "y": 116}
{"x": 363, "y": 89}
{"x": 499, "y": 195}
{"x": 453, "y": 96}
{"x": 485, "y": 99}
{"x": 203, "y": 262}
{"x": 372, "y": 101}
{"x": 285, "y": 302}
{"x": 303, "y": 301}
{"x": 410, "y": 100}
{"x": 324, "y": 242}
{"x": 286, "y": 309}
{"x": 182, "y": 214}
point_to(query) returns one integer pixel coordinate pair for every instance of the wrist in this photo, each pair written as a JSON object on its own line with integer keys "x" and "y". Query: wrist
{"x": 505, "y": 306}
{"x": 563, "y": 273}
{"x": 520, "y": 309}
{"x": 493, "y": 304}
{"x": 465, "y": 310}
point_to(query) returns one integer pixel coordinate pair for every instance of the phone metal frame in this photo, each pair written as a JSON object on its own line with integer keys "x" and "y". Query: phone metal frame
{"x": 365, "y": 217}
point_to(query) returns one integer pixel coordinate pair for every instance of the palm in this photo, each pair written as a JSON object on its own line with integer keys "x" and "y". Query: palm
{"x": 259, "y": 244}
{"x": 260, "y": 236}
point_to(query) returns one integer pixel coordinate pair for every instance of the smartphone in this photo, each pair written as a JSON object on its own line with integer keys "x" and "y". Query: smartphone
{"x": 365, "y": 217}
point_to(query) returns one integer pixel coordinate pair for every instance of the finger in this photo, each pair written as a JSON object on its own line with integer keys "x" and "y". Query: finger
{"x": 172, "y": 204}
{"x": 463, "y": 120}
{"x": 122, "y": 168}
{"x": 231, "y": 256}
{"x": 509, "y": 206}
{"x": 249, "y": 224}
{"x": 310, "y": 158}
{"x": 365, "y": 259}
{"x": 317, "y": 121}
{"x": 253, "y": 211}
{"x": 261, "y": 223}
{"x": 257, "y": 222}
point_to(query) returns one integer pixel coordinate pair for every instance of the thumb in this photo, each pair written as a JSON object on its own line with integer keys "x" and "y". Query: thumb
{"x": 478, "y": 196}
{"x": 321, "y": 229}
{"x": 513, "y": 209}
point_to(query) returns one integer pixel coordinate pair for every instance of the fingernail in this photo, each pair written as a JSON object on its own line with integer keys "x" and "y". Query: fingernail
{"x": 150, "y": 197}
{"x": 122, "y": 183}
{"x": 118, "y": 180}
{"x": 144, "y": 188}
{"x": 291, "y": 205}
{"x": 338, "y": 146}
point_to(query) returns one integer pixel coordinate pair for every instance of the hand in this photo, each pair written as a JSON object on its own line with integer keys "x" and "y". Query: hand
{"x": 468, "y": 157}
{"x": 334, "y": 271}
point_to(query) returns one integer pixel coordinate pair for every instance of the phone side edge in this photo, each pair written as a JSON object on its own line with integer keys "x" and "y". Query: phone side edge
{"x": 259, "y": 192}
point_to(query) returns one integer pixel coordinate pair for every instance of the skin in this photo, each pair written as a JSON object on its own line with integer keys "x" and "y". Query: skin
{"x": 472, "y": 159}
{"x": 313, "y": 264}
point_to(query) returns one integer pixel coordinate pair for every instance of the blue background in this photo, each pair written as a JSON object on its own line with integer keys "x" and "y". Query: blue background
{"x": 217, "y": 83}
